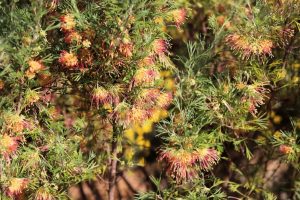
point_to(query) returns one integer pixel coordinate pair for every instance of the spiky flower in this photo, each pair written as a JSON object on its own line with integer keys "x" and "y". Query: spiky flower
{"x": 121, "y": 114}
{"x": 14, "y": 122}
{"x": 183, "y": 165}
{"x": 67, "y": 22}
{"x": 31, "y": 96}
{"x": 160, "y": 46}
{"x": 86, "y": 43}
{"x": 147, "y": 61}
{"x": 285, "y": 149}
{"x": 148, "y": 96}
{"x": 8, "y": 145}
{"x": 138, "y": 115}
{"x": 17, "y": 186}
{"x": 34, "y": 67}
{"x": 43, "y": 194}
{"x": 126, "y": 49}
{"x": 179, "y": 16}
{"x": 257, "y": 94}
{"x": 144, "y": 76}
{"x": 164, "y": 100}
{"x": 100, "y": 96}
{"x": 248, "y": 46}
{"x": 68, "y": 59}
{"x": 72, "y": 36}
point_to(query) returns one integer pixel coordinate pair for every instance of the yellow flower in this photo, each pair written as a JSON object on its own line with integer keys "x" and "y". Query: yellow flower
{"x": 129, "y": 153}
{"x": 129, "y": 133}
{"x": 169, "y": 84}
{"x": 155, "y": 116}
{"x": 164, "y": 114}
{"x": 107, "y": 107}
{"x": 277, "y": 135}
{"x": 140, "y": 140}
{"x": 261, "y": 139}
{"x": 277, "y": 119}
{"x": 147, "y": 126}
{"x": 147, "y": 144}
{"x": 138, "y": 129}
{"x": 86, "y": 43}
{"x": 141, "y": 162}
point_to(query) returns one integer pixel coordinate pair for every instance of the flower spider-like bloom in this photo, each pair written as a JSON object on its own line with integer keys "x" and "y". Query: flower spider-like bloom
{"x": 285, "y": 149}
{"x": 126, "y": 49}
{"x": 8, "y": 145}
{"x": 179, "y": 16}
{"x": 147, "y": 61}
{"x": 259, "y": 47}
{"x": 164, "y": 100}
{"x": 17, "y": 186}
{"x": 138, "y": 115}
{"x": 148, "y": 96}
{"x": 100, "y": 96}
{"x": 43, "y": 194}
{"x": 184, "y": 165}
{"x": 67, "y": 22}
{"x": 34, "y": 67}
{"x": 72, "y": 36}
{"x": 145, "y": 76}
{"x": 160, "y": 46}
{"x": 14, "y": 122}
{"x": 68, "y": 59}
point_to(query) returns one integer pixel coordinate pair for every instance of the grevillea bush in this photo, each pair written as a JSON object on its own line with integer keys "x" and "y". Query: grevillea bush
{"x": 85, "y": 85}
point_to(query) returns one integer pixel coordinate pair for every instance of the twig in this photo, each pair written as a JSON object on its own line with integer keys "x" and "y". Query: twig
{"x": 113, "y": 165}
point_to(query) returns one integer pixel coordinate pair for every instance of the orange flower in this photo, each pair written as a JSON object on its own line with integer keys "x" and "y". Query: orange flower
{"x": 68, "y": 59}
{"x": 126, "y": 49}
{"x": 14, "y": 122}
{"x": 8, "y": 145}
{"x": 145, "y": 76}
{"x": 164, "y": 100}
{"x": 285, "y": 149}
{"x": 148, "y": 96}
{"x": 138, "y": 115}
{"x": 43, "y": 194}
{"x": 35, "y": 66}
{"x": 17, "y": 186}
{"x": 147, "y": 61}
{"x": 247, "y": 47}
{"x": 179, "y": 16}
{"x": 160, "y": 46}
{"x": 67, "y": 22}
{"x": 72, "y": 36}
